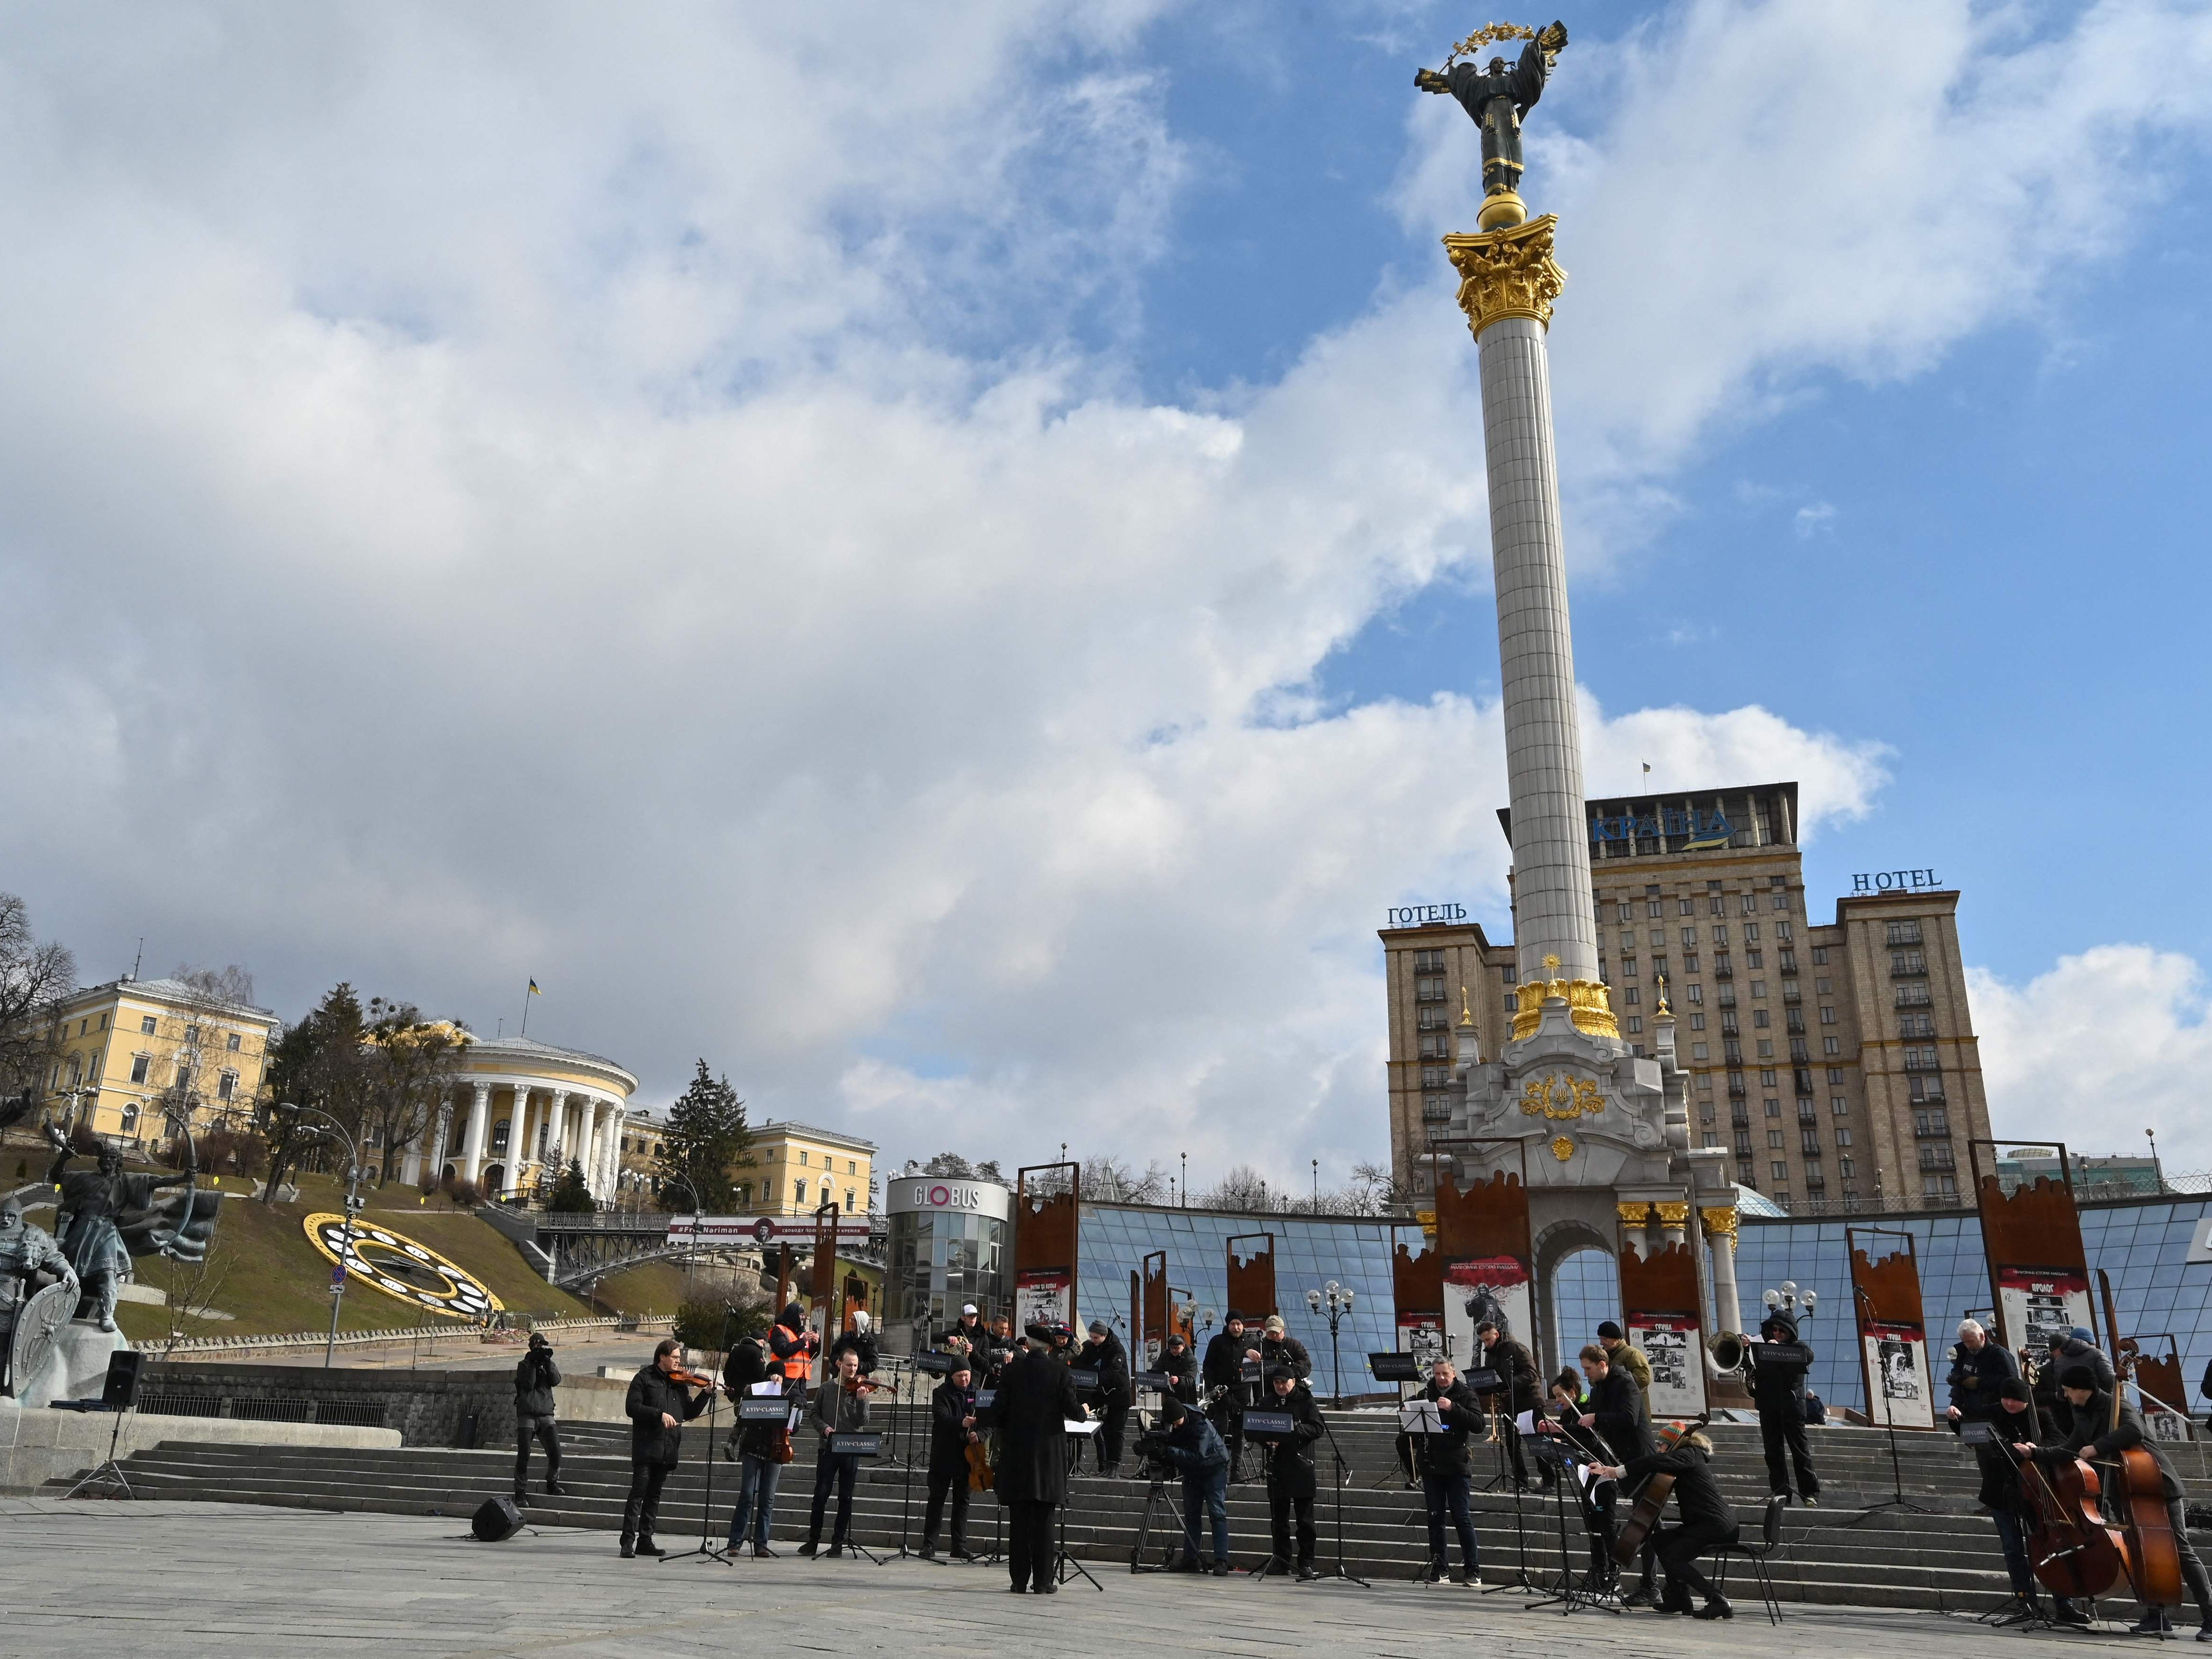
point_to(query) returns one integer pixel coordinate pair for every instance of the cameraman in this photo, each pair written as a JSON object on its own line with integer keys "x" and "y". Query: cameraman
{"x": 1196, "y": 1447}
{"x": 535, "y": 1379}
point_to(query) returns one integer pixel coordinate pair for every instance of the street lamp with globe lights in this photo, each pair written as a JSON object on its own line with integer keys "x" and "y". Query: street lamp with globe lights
{"x": 1336, "y": 1301}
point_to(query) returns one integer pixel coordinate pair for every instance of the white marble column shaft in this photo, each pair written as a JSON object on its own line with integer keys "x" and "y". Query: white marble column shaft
{"x": 479, "y": 1121}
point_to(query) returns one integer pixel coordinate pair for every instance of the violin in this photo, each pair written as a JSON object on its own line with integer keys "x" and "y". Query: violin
{"x": 689, "y": 1378}
{"x": 861, "y": 1384}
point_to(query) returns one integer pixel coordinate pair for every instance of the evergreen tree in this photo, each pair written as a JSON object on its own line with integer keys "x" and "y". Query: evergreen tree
{"x": 707, "y": 1137}
{"x": 570, "y": 1195}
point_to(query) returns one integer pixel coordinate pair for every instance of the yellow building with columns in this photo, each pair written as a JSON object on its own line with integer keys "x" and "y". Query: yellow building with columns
{"x": 520, "y": 1108}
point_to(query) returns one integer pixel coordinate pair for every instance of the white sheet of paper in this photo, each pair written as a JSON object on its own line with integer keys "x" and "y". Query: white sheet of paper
{"x": 1526, "y": 1422}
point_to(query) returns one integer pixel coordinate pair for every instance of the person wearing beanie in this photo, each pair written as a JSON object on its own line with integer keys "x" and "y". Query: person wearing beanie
{"x": 2097, "y": 1428}
{"x": 1036, "y": 1397}
{"x": 1221, "y": 1380}
{"x": 1103, "y": 1354}
{"x": 2011, "y": 1415}
{"x": 1176, "y": 1361}
{"x": 1625, "y": 1356}
{"x": 1777, "y": 1389}
{"x": 1708, "y": 1523}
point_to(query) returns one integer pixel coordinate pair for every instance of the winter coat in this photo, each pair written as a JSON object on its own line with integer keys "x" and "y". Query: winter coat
{"x": 2086, "y": 1436}
{"x": 1111, "y": 1360}
{"x": 1291, "y": 1462}
{"x": 1516, "y": 1371}
{"x": 1224, "y": 1361}
{"x": 1778, "y": 1367}
{"x": 1183, "y": 1367}
{"x": 1286, "y": 1351}
{"x": 1195, "y": 1446}
{"x": 1036, "y": 1400}
{"x": 950, "y": 1405}
{"x": 1627, "y": 1356}
{"x": 862, "y": 1343}
{"x": 1623, "y": 1419}
{"x": 535, "y": 1379}
{"x": 792, "y": 1347}
{"x": 1976, "y": 1376}
{"x": 1696, "y": 1493}
{"x": 654, "y": 1394}
{"x": 1446, "y": 1453}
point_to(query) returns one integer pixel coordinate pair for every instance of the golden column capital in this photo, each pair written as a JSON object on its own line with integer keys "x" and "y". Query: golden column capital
{"x": 1506, "y": 273}
{"x": 1720, "y": 1222}
{"x": 1672, "y": 1215}
{"x": 1633, "y": 1215}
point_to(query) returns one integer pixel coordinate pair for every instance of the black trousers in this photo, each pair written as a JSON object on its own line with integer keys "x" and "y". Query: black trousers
{"x": 1286, "y": 1499}
{"x": 843, "y": 1470}
{"x": 1228, "y": 1419}
{"x": 642, "y": 1511}
{"x": 1032, "y": 1545}
{"x": 1777, "y": 1432}
{"x": 942, "y": 1481}
{"x": 1444, "y": 1492}
{"x": 1115, "y": 1409}
{"x": 548, "y": 1432}
{"x": 1679, "y": 1548}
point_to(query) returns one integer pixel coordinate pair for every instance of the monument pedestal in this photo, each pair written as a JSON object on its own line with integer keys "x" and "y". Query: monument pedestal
{"x": 75, "y": 1366}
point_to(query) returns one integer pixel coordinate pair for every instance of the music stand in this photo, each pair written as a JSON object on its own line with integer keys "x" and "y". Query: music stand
{"x": 1067, "y": 1566}
{"x": 1562, "y": 1461}
{"x": 1519, "y": 1581}
{"x": 1393, "y": 1366}
{"x": 867, "y": 1444}
{"x": 762, "y": 1408}
{"x": 1338, "y": 1573}
{"x": 1267, "y": 1428}
{"x": 936, "y": 1364}
{"x": 707, "y": 1549}
{"x": 107, "y": 1470}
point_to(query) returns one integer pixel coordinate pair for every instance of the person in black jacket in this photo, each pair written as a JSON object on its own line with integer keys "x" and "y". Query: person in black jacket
{"x": 1708, "y": 1522}
{"x": 1036, "y": 1400}
{"x": 999, "y": 1348}
{"x": 1516, "y": 1372}
{"x": 1292, "y": 1484}
{"x": 761, "y": 1448}
{"x": 1443, "y": 1459}
{"x": 1615, "y": 1420}
{"x": 1978, "y": 1369}
{"x": 1280, "y": 1351}
{"x": 968, "y": 1340}
{"x": 535, "y": 1379}
{"x": 951, "y": 1431}
{"x": 1226, "y": 1393}
{"x": 2095, "y": 1430}
{"x": 1178, "y": 1361}
{"x": 658, "y": 1407}
{"x": 2000, "y": 1491}
{"x": 1103, "y": 1354}
{"x": 1202, "y": 1458}
{"x": 1777, "y": 1389}
{"x": 860, "y": 1342}
{"x": 745, "y": 1366}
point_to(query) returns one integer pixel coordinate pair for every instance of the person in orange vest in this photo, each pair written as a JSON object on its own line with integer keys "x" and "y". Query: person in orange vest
{"x": 791, "y": 1348}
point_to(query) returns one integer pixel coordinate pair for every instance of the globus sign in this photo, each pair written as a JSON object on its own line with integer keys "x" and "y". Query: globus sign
{"x": 924, "y": 1194}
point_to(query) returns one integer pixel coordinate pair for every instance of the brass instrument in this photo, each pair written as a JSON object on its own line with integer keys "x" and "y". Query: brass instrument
{"x": 1728, "y": 1353}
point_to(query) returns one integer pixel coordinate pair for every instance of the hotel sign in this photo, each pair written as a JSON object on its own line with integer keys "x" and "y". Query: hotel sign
{"x": 1895, "y": 881}
{"x": 1418, "y": 915}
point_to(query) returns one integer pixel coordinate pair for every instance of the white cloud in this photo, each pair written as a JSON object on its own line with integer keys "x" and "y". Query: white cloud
{"x": 485, "y": 495}
{"x": 1812, "y": 519}
{"x": 2107, "y": 1044}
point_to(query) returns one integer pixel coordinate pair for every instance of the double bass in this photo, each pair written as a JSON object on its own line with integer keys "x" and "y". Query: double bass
{"x": 2139, "y": 1486}
{"x": 2075, "y": 1552}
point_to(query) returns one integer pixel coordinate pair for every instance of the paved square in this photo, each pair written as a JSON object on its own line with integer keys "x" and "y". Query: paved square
{"x": 219, "y": 1579}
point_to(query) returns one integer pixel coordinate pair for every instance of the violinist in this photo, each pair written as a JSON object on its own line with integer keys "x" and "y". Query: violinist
{"x": 841, "y": 1408}
{"x": 659, "y": 1403}
{"x": 951, "y": 1431}
{"x": 2097, "y": 1426}
{"x": 1708, "y": 1522}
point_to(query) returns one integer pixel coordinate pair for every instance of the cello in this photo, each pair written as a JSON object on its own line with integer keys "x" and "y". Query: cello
{"x": 1652, "y": 1496}
{"x": 2153, "y": 1555}
{"x": 2075, "y": 1552}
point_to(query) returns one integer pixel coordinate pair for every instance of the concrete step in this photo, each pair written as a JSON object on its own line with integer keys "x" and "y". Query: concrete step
{"x": 1893, "y": 1559}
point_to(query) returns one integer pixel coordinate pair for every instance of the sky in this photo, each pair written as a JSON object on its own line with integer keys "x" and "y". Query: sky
{"x": 936, "y": 558}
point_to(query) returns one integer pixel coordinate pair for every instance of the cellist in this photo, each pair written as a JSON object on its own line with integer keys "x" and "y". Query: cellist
{"x": 2098, "y": 1427}
{"x": 2014, "y": 1418}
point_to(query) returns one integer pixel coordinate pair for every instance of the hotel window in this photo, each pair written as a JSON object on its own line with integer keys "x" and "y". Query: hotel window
{"x": 1820, "y": 955}
{"x": 1720, "y": 935}
{"x": 1832, "y": 1045}
{"x": 1758, "y": 1017}
{"x": 1750, "y": 905}
{"x": 1835, "y": 1074}
{"x": 1628, "y": 967}
{"x": 1847, "y": 1167}
{"x": 1827, "y": 1013}
{"x": 138, "y": 1066}
{"x": 1781, "y": 1173}
{"x": 1841, "y": 1105}
{"x": 1843, "y": 1134}
{"x": 1773, "y": 1107}
{"x": 1684, "y": 908}
{"x": 1697, "y": 1022}
{"x": 1902, "y": 933}
{"x": 1701, "y": 1050}
{"x": 1634, "y": 1024}
{"x": 1697, "y": 992}
{"x": 1750, "y": 932}
{"x": 1623, "y": 911}
{"x": 1782, "y": 935}
{"x": 1755, "y": 959}
{"x": 1629, "y": 995}
{"x": 1689, "y": 939}
{"x": 1916, "y": 1025}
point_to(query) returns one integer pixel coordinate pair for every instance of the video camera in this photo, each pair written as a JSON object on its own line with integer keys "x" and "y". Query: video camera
{"x": 1151, "y": 1446}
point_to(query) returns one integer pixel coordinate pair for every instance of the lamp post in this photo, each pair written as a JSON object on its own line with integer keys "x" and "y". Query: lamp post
{"x": 353, "y": 1206}
{"x": 1184, "y": 1187}
{"x": 1789, "y": 1299}
{"x": 691, "y": 1255}
{"x": 1337, "y": 1302}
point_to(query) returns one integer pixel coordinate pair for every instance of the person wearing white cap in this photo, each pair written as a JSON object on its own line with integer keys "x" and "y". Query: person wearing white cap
{"x": 967, "y": 1337}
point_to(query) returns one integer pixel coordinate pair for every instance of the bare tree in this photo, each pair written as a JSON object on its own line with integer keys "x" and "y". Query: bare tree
{"x": 1107, "y": 1179}
{"x": 35, "y": 980}
{"x": 410, "y": 1065}
{"x": 1241, "y": 1188}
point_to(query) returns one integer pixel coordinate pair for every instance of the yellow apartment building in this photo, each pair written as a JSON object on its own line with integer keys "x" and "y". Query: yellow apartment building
{"x": 126, "y": 1043}
{"x": 794, "y": 1168}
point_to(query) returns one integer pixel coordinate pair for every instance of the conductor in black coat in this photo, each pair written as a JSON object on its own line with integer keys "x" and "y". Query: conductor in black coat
{"x": 1036, "y": 1400}
{"x": 1708, "y": 1522}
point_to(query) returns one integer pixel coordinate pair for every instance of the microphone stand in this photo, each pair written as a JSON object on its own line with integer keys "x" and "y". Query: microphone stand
{"x": 1338, "y": 1574}
{"x": 906, "y": 1459}
{"x": 706, "y": 1549}
{"x": 1897, "y": 1500}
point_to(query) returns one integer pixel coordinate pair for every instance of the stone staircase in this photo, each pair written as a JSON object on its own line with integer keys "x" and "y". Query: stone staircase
{"x": 1945, "y": 1561}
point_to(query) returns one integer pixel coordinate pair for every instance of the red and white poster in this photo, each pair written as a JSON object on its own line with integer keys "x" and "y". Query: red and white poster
{"x": 1044, "y": 1298}
{"x": 1896, "y": 1363}
{"x": 2034, "y": 1304}
{"x": 1670, "y": 1342}
{"x": 1493, "y": 1287}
